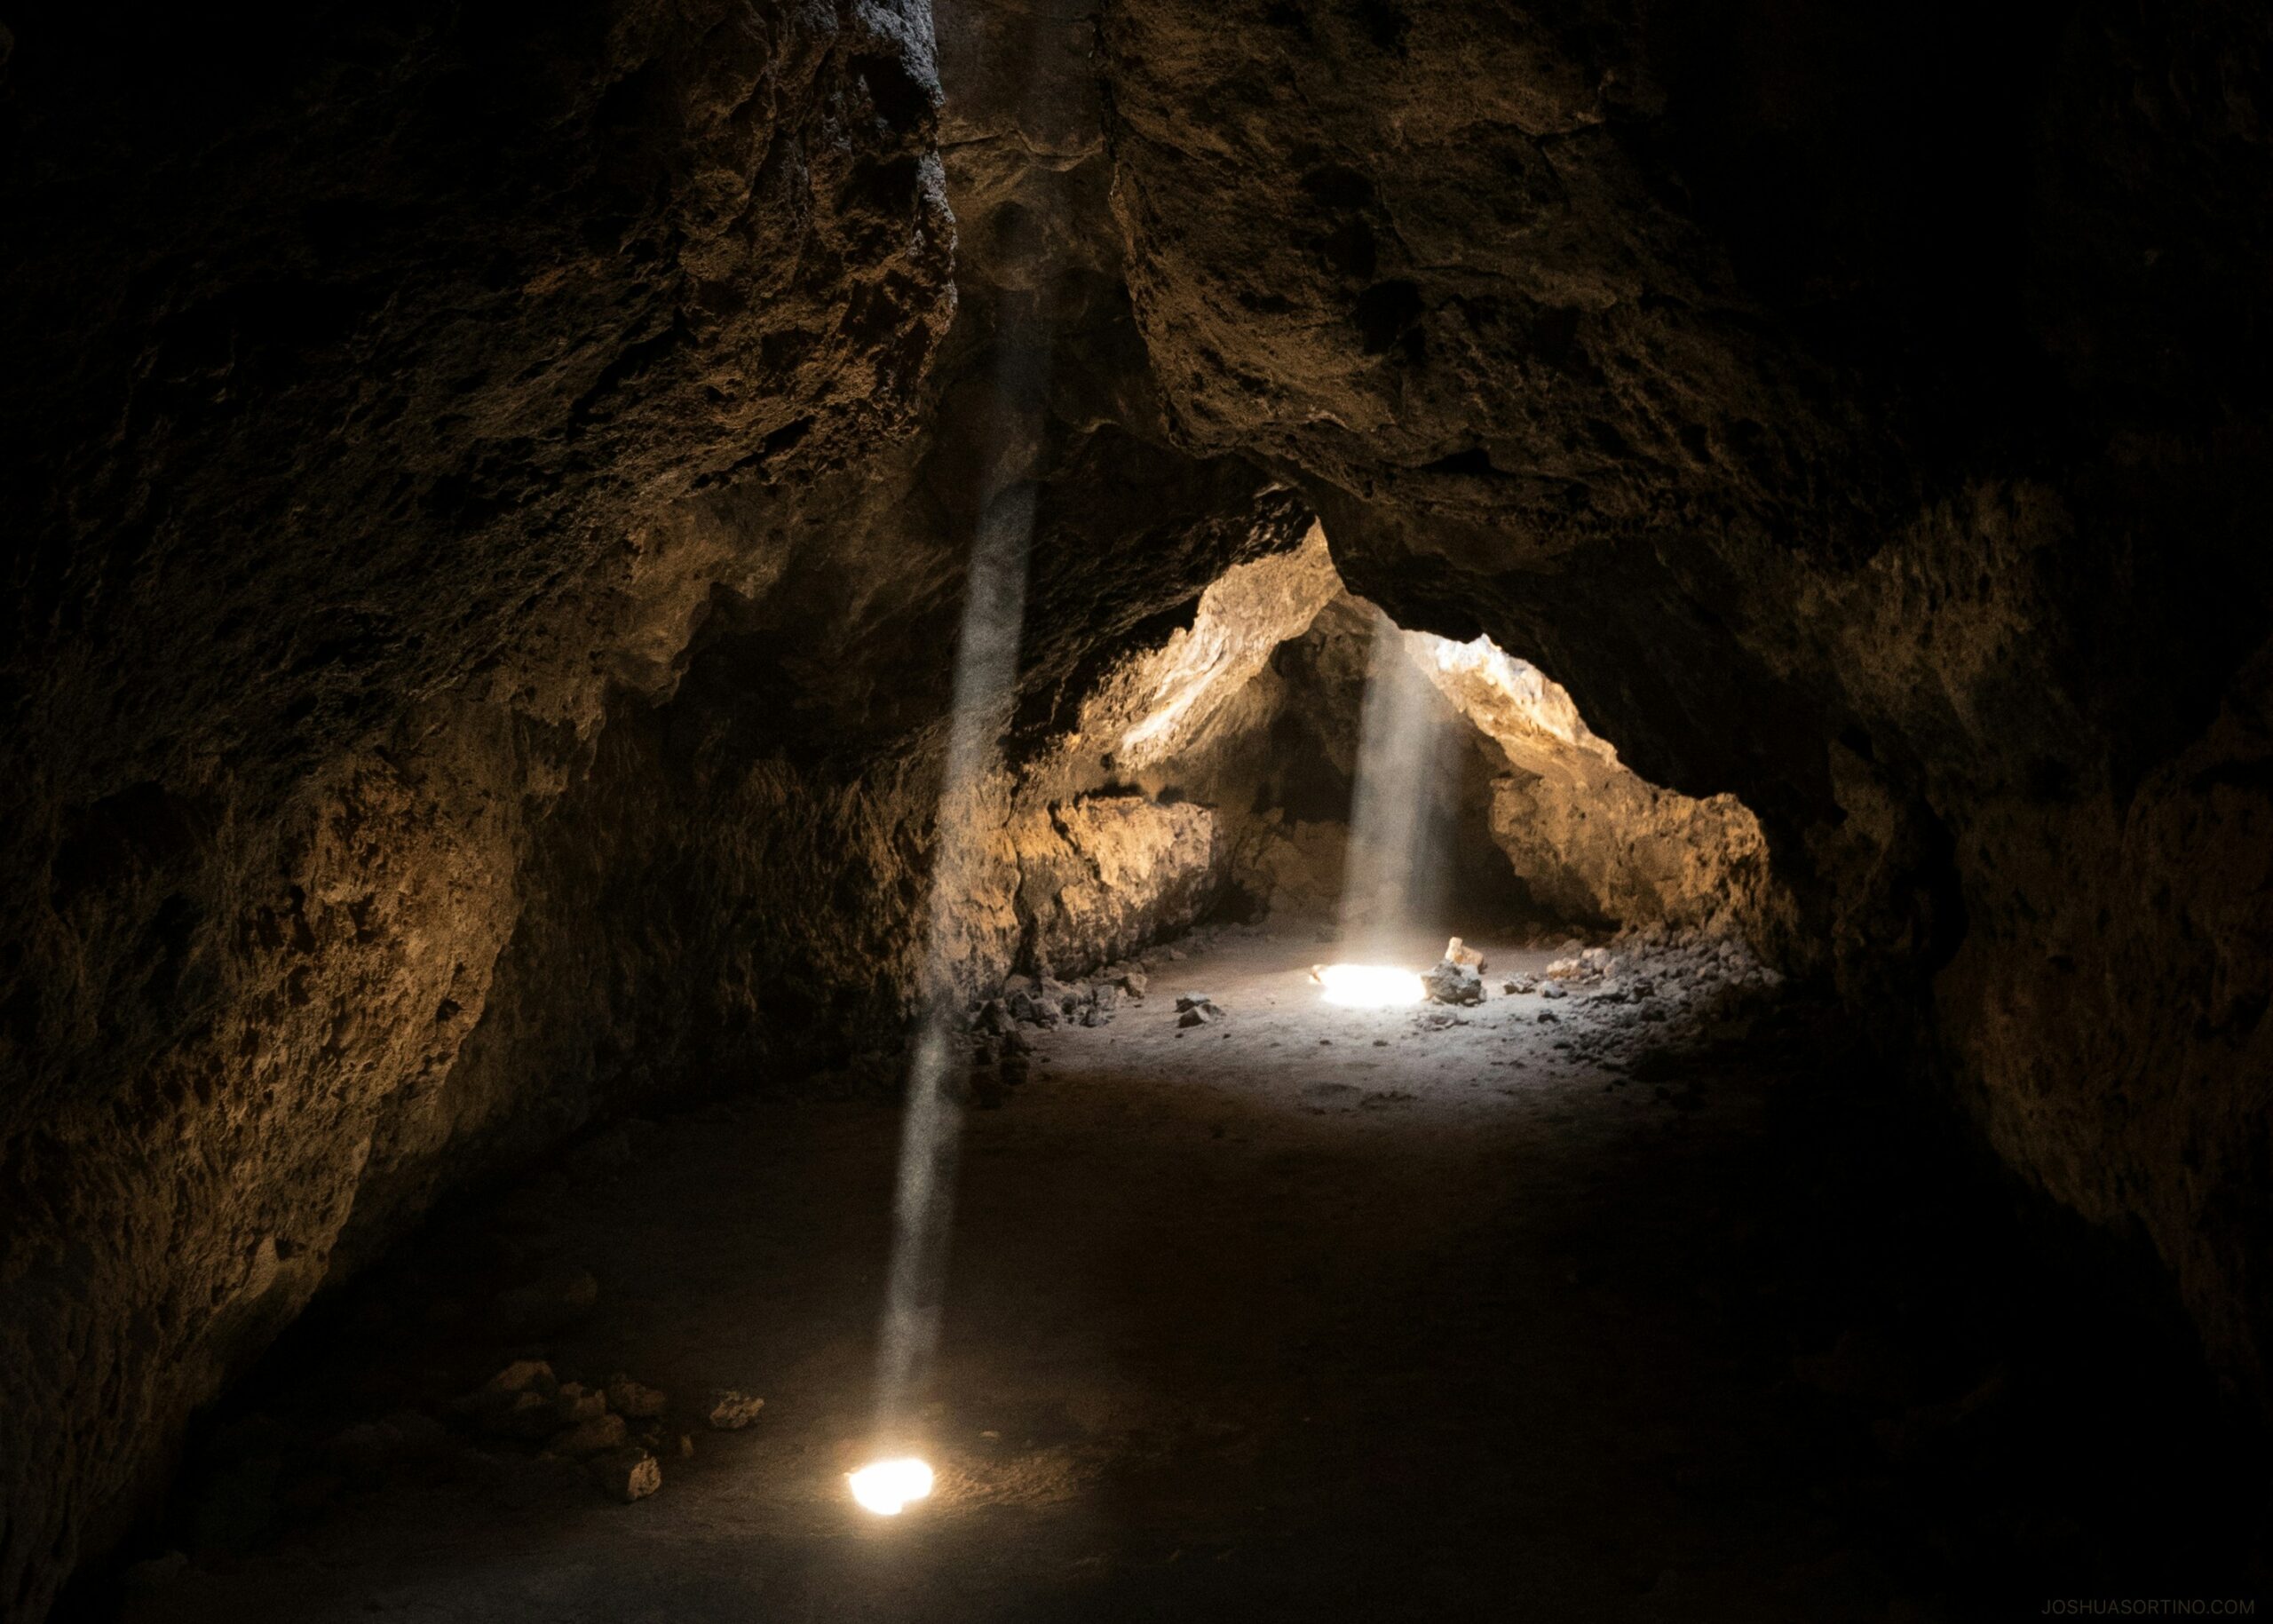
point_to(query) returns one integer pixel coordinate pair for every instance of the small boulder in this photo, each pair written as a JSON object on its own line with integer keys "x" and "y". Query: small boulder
{"x": 1552, "y": 989}
{"x": 1452, "y": 983}
{"x": 520, "y": 1377}
{"x": 576, "y": 1402}
{"x": 732, "y": 1410}
{"x": 591, "y": 1437}
{"x": 1196, "y": 1009}
{"x": 1458, "y": 952}
{"x": 526, "y": 1414}
{"x": 635, "y": 1399}
{"x": 995, "y": 1018}
{"x": 626, "y": 1473}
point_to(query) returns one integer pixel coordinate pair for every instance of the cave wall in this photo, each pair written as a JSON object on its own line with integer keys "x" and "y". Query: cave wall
{"x": 1862, "y": 410}
{"x": 347, "y": 355}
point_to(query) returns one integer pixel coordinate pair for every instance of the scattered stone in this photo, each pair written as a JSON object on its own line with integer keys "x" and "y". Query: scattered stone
{"x": 1196, "y": 1009}
{"x": 525, "y": 1414}
{"x": 732, "y": 1410}
{"x": 1548, "y": 1017}
{"x": 589, "y": 1437}
{"x": 685, "y": 1447}
{"x": 635, "y": 1399}
{"x": 520, "y": 1377}
{"x": 995, "y": 1018}
{"x": 626, "y": 1474}
{"x": 576, "y": 1402}
{"x": 1552, "y": 989}
{"x": 1524, "y": 983}
{"x": 1453, "y": 983}
{"x": 1135, "y": 981}
{"x": 1457, "y": 952}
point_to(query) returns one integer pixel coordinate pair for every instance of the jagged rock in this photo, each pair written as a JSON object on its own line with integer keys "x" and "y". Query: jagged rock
{"x": 1552, "y": 989}
{"x": 576, "y": 1402}
{"x": 1457, "y": 952}
{"x": 994, "y": 1018}
{"x": 626, "y": 1473}
{"x": 731, "y": 1410}
{"x": 1448, "y": 982}
{"x": 523, "y": 1415}
{"x": 633, "y": 1399}
{"x": 523, "y": 1376}
{"x": 589, "y": 1437}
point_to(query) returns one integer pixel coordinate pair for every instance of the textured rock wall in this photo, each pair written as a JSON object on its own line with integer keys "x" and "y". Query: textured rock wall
{"x": 346, "y": 357}
{"x": 1860, "y": 409}
{"x": 1594, "y": 842}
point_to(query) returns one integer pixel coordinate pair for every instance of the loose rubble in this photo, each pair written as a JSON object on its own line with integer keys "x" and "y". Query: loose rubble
{"x": 626, "y": 1474}
{"x": 1197, "y": 1009}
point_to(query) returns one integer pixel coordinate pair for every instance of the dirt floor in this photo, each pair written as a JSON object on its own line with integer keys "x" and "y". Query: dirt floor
{"x": 1651, "y": 1310}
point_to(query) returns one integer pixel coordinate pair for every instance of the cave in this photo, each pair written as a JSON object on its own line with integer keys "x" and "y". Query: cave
{"x": 1345, "y": 809}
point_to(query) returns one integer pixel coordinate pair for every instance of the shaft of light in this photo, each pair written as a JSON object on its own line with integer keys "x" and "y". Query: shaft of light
{"x": 1395, "y": 853}
{"x": 930, "y": 1129}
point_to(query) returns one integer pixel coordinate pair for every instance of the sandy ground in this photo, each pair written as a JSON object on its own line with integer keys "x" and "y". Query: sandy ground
{"x": 1316, "y": 1313}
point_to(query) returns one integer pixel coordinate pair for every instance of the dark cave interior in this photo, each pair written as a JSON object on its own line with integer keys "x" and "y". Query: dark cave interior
{"x": 495, "y": 503}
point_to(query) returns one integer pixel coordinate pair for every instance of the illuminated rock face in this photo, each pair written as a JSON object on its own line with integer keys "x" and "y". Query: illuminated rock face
{"x": 491, "y": 509}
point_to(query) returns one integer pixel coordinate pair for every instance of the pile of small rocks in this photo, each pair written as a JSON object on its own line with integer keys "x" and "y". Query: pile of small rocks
{"x": 615, "y": 1432}
{"x": 1044, "y": 1001}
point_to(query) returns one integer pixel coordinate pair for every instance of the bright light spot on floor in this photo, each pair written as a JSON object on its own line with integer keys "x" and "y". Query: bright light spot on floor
{"x": 1369, "y": 987}
{"x": 887, "y": 1487}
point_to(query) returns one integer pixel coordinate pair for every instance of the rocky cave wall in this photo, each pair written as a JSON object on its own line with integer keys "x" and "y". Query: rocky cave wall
{"x": 1862, "y": 409}
{"x": 347, "y": 357}
{"x": 492, "y": 498}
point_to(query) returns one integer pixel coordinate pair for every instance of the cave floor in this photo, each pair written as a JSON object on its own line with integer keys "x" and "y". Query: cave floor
{"x": 1315, "y": 1313}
